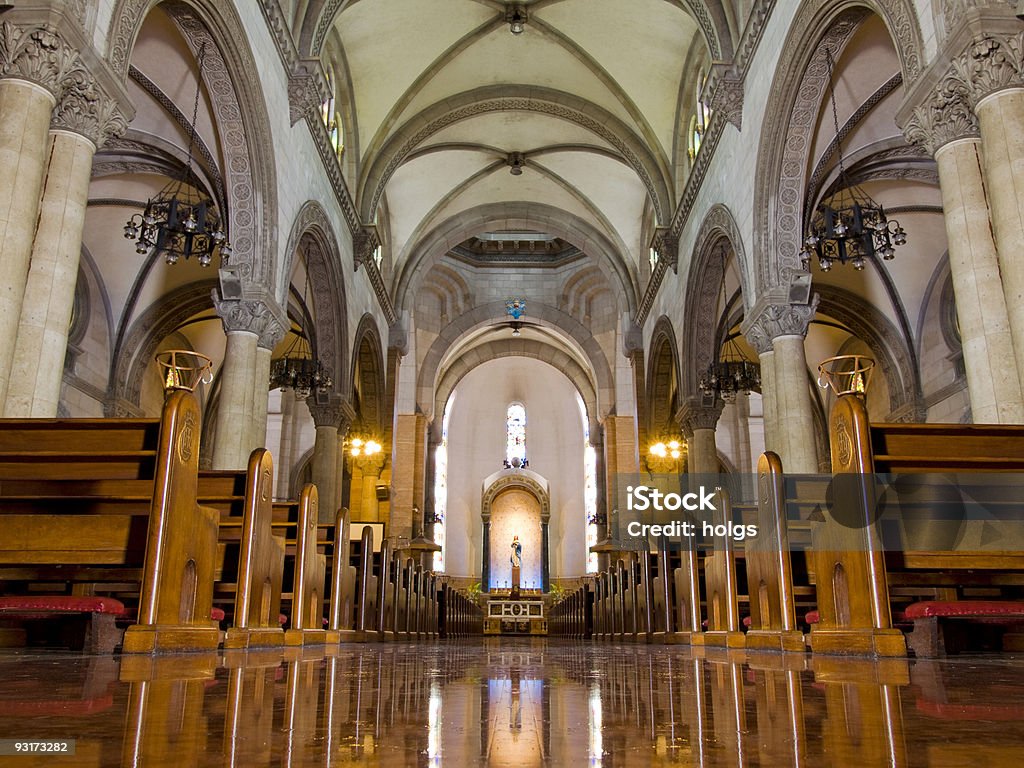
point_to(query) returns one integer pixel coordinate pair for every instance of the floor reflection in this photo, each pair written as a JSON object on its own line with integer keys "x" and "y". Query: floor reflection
{"x": 523, "y": 703}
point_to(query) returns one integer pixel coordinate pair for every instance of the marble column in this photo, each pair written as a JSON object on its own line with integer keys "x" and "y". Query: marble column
{"x": 329, "y": 419}
{"x": 1001, "y": 121}
{"x": 545, "y": 562}
{"x": 945, "y": 125}
{"x": 485, "y": 571}
{"x": 285, "y": 461}
{"x": 245, "y": 322}
{"x": 698, "y": 423}
{"x": 83, "y": 121}
{"x": 25, "y": 111}
{"x": 790, "y": 431}
{"x": 371, "y": 467}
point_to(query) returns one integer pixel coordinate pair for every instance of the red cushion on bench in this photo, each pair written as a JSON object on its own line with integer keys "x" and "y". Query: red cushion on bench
{"x": 966, "y": 608}
{"x": 747, "y": 621}
{"x": 217, "y": 614}
{"x": 282, "y": 619}
{"x": 950, "y": 711}
{"x": 812, "y": 617}
{"x": 61, "y": 604}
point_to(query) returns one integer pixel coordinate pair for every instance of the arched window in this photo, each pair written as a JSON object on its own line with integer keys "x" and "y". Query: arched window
{"x": 515, "y": 434}
{"x": 700, "y": 119}
{"x": 589, "y": 487}
{"x": 441, "y": 488}
{"x": 332, "y": 118}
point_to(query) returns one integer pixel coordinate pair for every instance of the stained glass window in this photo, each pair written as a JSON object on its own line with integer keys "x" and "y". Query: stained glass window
{"x": 515, "y": 431}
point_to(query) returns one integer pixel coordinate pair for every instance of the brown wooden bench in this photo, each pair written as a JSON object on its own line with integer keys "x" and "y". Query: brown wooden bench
{"x": 108, "y": 506}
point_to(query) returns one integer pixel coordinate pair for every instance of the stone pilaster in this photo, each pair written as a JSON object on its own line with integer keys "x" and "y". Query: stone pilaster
{"x": 789, "y": 429}
{"x": 408, "y": 470}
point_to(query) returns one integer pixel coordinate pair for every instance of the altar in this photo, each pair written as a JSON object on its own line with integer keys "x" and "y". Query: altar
{"x": 515, "y": 616}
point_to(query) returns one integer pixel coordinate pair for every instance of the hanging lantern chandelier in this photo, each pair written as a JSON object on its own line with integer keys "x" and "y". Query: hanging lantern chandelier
{"x": 732, "y": 374}
{"x": 297, "y": 370}
{"x": 180, "y": 221}
{"x": 850, "y": 227}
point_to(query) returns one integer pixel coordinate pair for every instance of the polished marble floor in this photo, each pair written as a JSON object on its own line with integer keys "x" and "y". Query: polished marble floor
{"x": 511, "y": 703}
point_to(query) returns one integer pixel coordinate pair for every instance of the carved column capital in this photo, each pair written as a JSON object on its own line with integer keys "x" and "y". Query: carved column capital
{"x": 666, "y": 245}
{"x": 696, "y": 413}
{"x": 945, "y": 116}
{"x": 40, "y": 55}
{"x": 86, "y": 110}
{"x": 261, "y": 316}
{"x": 990, "y": 64}
{"x": 768, "y": 321}
{"x": 330, "y": 411}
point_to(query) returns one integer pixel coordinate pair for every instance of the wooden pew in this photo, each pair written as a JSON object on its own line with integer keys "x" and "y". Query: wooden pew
{"x": 109, "y": 506}
{"x": 847, "y": 557}
{"x": 260, "y": 563}
{"x": 307, "y": 609}
{"x": 773, "y": 622}
{"x": 720, "y": 584}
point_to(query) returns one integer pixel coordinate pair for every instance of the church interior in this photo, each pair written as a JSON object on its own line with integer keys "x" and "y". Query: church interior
{"x": 511, "y": 382}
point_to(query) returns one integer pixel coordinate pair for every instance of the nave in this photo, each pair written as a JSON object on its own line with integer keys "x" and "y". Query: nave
{"x": 512, "y": 702}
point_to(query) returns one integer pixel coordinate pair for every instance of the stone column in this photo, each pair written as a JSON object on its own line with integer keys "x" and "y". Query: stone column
{"x": 485, "y": 571}
{"x": 329, "y": 419}
{"x": 36, "y": 66}
{"x": 946, "y": 127}
{"x": 990, "y": 71}
{"x": 286, "y": 460}
{"x": 82, "y": 122}
{"x": 371, "y": 467}
{"x": 791, "y": 434}
{"x": 698, "y": 422}
{"x": 245, "y": 321}
{"x": 545, "y": 563}
{"x": 621, "y": 461}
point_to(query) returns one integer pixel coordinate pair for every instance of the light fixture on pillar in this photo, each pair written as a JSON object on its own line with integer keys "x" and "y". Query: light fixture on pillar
{"x": 849, "y": 226}
{"x": 181, "y": 221}
{"x": 732, "y": 374}
{"x": 516, "y": 17}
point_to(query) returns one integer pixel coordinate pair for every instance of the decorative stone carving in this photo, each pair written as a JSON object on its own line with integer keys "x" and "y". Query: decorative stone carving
{"x": 41, "y": 56}
{"x": 953, "y": 10}
{"x": 726, "y": 93}
{"x": 666, "y": 245}
{"x": 364, "y": 243}
{"x": 252, "y": 316}
{"x": 989, "y": 65}
{"x": 331, "y": 413}
{"x": 695, "y": 414}
{"x": 307, "y": 90}
{"x": 84, "y": 109}
{"x": 398, "y": 338}
{"x": 769, "y": 321}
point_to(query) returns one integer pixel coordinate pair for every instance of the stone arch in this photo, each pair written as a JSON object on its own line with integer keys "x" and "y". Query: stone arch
{"x": 242, "y": 119}
{"x": 799, "y": 85}
{"x": 429, "y": 248}
{"x": 312, "y": 231}
{"x": 662, "y": 370}
{"x": 522, "y": 479}
{"x": 717, "y": 238}
{"x": 367, "y": 374}
{"x": 485, "y": 314}
{"x": 495, "y": 350}
{"x": 652, "y": 170}
{"x": 893, "y": 356}
{"x": 135, "y": 354}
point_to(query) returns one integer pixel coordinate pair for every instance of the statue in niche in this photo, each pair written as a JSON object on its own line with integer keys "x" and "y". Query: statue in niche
{"x": 517, "y": 552}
